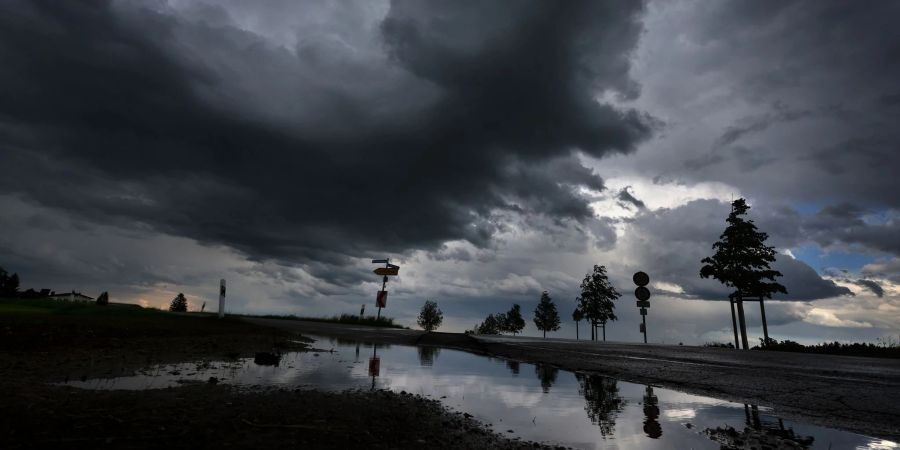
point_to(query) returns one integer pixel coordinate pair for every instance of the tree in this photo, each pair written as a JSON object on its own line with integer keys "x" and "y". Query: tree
{"x": 179, "y": 303}
{"x": 577, "y": 316}
{"x": 596, "y": 299}
{"x": 103, "y": 299}
{"x": 9, "y": 284}
{"x": 490, "y": 326}
{"x": 430, "y": 317}
{"x": 545, "y": 316}
{"x": 741, "y": 261}
{"x": 512, "y": 321}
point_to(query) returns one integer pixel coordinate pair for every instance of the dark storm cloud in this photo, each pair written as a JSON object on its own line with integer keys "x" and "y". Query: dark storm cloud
{"x": 845, "y": 224}
{"x": 116, "y": 112}
{"x": 625, "y": 198}
{"x": 872, "y": 286}
{"x": 780, "y": 99}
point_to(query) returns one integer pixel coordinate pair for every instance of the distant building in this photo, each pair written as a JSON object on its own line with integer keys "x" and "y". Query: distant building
{"x": 72, "y": 297}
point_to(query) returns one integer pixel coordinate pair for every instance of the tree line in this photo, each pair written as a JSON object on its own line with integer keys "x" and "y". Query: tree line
{"x": 595, "y": 304}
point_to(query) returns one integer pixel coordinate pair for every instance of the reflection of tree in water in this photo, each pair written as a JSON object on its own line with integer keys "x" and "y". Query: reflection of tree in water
{"x": 427, "y": 355}
{"x": 651, "y": 414}
{"x": 547, "y": 375}
{"x": 602, "y": 401}
{"x": 513, "y": 366}
{"x": 759, "y": 434}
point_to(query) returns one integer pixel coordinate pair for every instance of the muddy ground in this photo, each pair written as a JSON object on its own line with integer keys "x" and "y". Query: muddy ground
{"x": 852, "y": 393}
{"x": 36, "y": 351}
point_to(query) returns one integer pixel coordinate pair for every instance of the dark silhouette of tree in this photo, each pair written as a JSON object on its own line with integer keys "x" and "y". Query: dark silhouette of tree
{"x": 431, "y": 317}
{"x": 179, "y": 303}
{"x": 602, "y": 401}
{"x": 103, "y": 299}
{"x": 742, "y": 260}
{"x": 490, "y": 326}
{"x": 547, "y": 374}
{"x": 508, "y": 322}
{"x": 513, "y": 366}
{"x": 545, "y": 316}
{"x": 9, "y": 284}
{"x": 577, "y": 316}
{"x": 596, "y": 299}
{"x": 512, "y": 321}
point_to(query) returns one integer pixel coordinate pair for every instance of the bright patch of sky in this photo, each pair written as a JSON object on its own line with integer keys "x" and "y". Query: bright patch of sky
{"x": 823, "y": 259}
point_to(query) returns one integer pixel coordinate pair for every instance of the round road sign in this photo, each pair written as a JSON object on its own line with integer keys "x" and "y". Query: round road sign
{"x": 642, "y": 293}
{"x": 640, "y": 278}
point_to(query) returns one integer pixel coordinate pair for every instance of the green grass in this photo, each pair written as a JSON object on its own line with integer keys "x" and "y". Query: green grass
{"x": 350, "y": 319}
{"x": 37, "y": 323}
{"x": 25, "y": 307}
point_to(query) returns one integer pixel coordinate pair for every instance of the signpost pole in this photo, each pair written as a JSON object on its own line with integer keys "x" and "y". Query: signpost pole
{"x": 644, "y": 318}
{"x": 383, "y": 285}
{"x": 642, "y": 294}
{"x": 762, "y": 310}
{"x": 737, "y": 343}
{"x": 222, "y": 298}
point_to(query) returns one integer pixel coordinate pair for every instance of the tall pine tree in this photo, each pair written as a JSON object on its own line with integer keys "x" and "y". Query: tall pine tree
{"x": 741, "y": 261}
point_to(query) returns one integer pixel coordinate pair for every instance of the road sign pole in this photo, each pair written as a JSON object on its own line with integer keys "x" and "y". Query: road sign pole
{"x": 644, "y": 318}
{"x": 222, "y": 298}
{"x": 383, "y": 285}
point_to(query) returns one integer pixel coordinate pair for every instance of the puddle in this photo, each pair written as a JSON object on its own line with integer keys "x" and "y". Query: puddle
{"x": 538, "y": 403}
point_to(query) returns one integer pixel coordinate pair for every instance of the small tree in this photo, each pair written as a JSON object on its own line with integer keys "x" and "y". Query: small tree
{"x": 577, "y": 316}
{"x": 490, "y": 326}
{"x": 512, "y": 320}
{"x": 741, "y": 261}
{"x": 430, "y": 317}
{"x": 596, "y": 299}
{"x": 103, "y": 299}
{"x": 545, "y": 316}
{"x": 179, "y": 303}
{"x": 9, "y": 284}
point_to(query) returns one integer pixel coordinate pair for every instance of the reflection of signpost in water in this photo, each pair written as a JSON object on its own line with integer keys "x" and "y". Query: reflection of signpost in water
{"x": 388, "y": 269}
{"x": 641, "y": 279}
{"x": 651, "y": 414}
{"x": 374, "y": 365}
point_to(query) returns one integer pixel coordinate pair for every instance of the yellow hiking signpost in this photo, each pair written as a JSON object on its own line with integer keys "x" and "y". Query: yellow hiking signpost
{"x": 388, "y": 269}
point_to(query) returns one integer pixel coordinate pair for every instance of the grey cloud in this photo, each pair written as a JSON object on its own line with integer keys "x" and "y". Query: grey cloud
{"x": 872, "y": 286}
{"x": 146, "y": 118}
{"x": 673, "y": 241}
{"x": 626, "y": 197}
{"x": 794, "y": 98}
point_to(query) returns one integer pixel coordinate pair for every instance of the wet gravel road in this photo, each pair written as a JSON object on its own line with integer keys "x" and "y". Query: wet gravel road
{"x": 852, "y": 393}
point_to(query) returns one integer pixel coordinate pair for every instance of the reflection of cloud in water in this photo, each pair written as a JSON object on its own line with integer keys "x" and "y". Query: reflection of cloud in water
{"x": 585, "y": 411}
{"x": 679, "y": 414}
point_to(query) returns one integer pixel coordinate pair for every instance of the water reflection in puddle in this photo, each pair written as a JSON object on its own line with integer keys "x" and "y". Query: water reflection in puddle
{"x": 533, "y": 402}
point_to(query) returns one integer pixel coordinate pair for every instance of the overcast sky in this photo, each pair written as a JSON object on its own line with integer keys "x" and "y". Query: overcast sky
{"x": 491, "y": 149}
